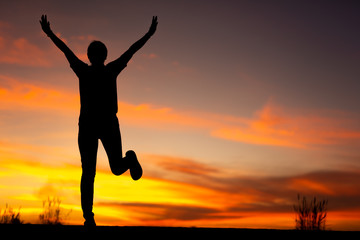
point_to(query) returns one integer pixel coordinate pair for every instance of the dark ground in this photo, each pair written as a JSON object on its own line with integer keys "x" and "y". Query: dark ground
{"x": 34, "y": 231}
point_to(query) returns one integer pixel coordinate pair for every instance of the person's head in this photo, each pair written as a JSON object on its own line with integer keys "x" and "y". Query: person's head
{"x": 97, "y": 52}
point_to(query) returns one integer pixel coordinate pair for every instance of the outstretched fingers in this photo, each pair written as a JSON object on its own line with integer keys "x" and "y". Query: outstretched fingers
{"x": 43, "y": 18}
{"x": 153, "y": 25}
{"x": 154, "y": 20}
{"x": 45, "y": 25}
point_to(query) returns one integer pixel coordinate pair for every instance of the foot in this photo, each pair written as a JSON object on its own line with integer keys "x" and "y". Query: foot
{"x": 90, "y": 223}
{"x": 135, "y": 167}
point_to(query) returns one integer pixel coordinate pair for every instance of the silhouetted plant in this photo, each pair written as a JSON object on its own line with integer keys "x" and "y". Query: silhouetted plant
{"x": 9, "y": 216}
{"x": 52, "y": 213}
{"x": 310, "y": 215}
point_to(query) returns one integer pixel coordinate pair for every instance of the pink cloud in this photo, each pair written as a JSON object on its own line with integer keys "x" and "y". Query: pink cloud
{"x": 22, "y": 52}
{"x": 150, "y": 55}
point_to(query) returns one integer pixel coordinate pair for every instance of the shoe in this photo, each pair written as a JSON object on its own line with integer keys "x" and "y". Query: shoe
{"x": 90, "y": 223}
{"x": 135, "y": 167}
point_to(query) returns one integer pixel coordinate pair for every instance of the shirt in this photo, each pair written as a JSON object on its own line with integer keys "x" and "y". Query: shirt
{"x": 97, "y": 86}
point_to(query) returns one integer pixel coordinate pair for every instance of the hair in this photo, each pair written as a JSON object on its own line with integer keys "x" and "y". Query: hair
{"x": 97, "y": 52}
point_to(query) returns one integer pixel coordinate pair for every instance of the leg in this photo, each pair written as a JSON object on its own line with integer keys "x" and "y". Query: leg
{"x": 88, "y": 145}
{"x": 111, "y": 140}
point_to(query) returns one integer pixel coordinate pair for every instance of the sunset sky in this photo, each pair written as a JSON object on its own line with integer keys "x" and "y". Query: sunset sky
{"x": 233, "y": 108}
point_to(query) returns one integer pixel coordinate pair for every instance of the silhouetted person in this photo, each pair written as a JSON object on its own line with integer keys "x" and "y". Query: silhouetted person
{"x": 98, "y": 120}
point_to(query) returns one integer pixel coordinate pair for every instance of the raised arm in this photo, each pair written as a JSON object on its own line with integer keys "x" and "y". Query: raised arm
{"x": 71, "y": 57}
{"x": 126, "y": 56}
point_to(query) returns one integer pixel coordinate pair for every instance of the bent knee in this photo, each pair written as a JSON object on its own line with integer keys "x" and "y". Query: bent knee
{"x": 118, "y": 171}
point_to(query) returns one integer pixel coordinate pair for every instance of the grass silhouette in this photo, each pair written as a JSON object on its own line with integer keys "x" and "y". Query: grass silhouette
{"x": 52, "y": 213}
{"x": 9, "y": 216}
{"x": 310, "y": 215}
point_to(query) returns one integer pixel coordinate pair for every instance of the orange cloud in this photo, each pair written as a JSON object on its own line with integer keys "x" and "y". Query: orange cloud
{"x": 311, "y": 185}
{"x": 271, "y": 125}
{"x": 182, "y": 165}
{"x": 164, "y": 117}
{"x": 18, "y": 95}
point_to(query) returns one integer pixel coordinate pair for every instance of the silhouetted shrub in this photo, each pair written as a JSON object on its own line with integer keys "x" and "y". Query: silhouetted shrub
{"x": 9, "y": 216}
{"x": 310, "y": 215}
{"x": 52, "y": 213}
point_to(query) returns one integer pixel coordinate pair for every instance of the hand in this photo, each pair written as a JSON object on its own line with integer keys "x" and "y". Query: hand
{"x": 45, "y": 25}
{"x": 153, "y": 25}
